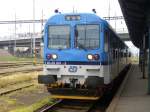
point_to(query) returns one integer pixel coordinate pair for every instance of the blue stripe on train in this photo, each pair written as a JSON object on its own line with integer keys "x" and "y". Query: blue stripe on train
{"x": 74, "y": 63}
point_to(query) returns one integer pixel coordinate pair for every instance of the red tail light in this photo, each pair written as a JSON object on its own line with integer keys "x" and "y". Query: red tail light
{"x": 49, "y": 56}
{"x": 96, "y": 57}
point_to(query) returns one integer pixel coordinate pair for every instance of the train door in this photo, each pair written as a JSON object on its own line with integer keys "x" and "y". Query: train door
{"x": 107, "y": 50}
{"x": 118, "y": 57}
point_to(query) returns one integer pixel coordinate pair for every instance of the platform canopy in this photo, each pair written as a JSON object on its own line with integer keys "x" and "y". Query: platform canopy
{"x": 136, "y": 14}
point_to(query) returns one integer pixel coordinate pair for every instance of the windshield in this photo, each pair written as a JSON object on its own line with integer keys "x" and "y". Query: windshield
{"x": 87, "y": 36}
{"x": 59, "y": 37}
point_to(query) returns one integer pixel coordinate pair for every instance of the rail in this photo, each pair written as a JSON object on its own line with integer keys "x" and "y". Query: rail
{"x": 8, "y": 71}
{"x": 15, "y": 89}
{"x": 47, "y": 107}
{"x": 68, "y": 106}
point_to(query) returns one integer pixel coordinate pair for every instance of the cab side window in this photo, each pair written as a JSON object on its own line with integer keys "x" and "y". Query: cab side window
{"x": 106, "y": 41}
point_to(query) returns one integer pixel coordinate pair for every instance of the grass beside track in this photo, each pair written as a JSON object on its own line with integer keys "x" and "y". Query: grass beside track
{"x": 34, "y": 106}
{"x": 25, "y": 100}
{"x": 13, "y": 58}
{"x": 17, "y": 59}
{"x": 17, "y": 78}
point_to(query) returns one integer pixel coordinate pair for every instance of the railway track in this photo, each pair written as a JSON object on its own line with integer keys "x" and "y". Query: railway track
{"x": 68, "y": 106}
{"x": 7, "y": 72}
{"x": 5, "y": 66}
{"x": 14, "y": 65}
{"x": 11, "y": 67}
{"x": 13, "y": 89}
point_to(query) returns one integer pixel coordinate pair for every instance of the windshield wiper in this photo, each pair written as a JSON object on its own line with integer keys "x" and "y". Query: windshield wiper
{"x": 61, "y": 48}
{"x": 81, "y": 46}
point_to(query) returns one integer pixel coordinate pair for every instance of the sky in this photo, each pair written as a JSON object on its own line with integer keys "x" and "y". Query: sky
{"x": 23, "y": 9}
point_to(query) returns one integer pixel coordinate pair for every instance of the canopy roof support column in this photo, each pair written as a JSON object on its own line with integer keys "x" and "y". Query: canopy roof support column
{"x": 149, "y": 62}
{"x": 148, "y": 23}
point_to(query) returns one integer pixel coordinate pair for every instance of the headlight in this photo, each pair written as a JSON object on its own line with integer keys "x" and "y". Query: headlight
{"x": 90, "y": 57}
{"x": 54, "y": 56}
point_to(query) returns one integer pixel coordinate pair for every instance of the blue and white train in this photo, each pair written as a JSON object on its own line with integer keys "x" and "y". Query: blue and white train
{"x": 82, "y": 56}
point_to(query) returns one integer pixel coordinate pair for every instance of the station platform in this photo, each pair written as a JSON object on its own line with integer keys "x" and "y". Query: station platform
{"x": 132, "y": 95}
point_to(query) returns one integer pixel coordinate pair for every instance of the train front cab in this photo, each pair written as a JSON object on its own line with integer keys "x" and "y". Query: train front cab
{"x": 75, "y": 70}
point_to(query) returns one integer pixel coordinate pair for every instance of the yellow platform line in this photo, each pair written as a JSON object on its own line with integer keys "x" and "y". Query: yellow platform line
{"x": 75, "y": 97}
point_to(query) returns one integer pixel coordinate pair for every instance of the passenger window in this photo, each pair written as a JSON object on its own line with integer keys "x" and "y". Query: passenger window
{"x": 106, "y": 41}
{"x": 114, "y": 53}
{"x": 125, "y": 54}
{"x": 121, "y": 53}
{"x": 129, "y": 54}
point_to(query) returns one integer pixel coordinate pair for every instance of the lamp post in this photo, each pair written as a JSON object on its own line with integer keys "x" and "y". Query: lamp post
{"x": 109, "y": 11}
{"x": 15, "y": 36}
{"x": 34, "y": 50}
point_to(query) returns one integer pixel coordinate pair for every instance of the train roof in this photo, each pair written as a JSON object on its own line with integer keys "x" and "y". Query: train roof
{"x": 84, "y": 17}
